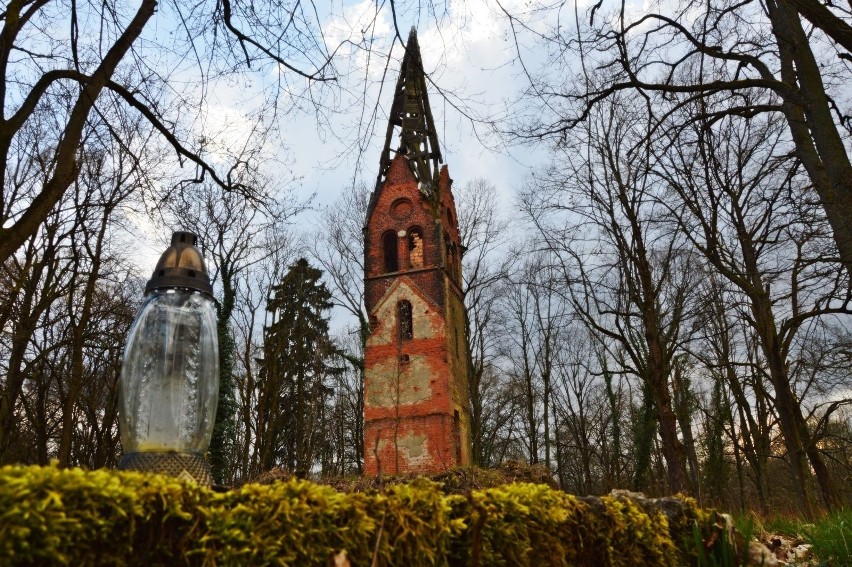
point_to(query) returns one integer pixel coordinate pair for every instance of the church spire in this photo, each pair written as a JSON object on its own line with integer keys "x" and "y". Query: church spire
{"x": 411, "y": 116}
{"x": 416, "y": 369}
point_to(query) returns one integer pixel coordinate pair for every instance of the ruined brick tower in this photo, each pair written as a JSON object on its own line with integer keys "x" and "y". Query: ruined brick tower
{"x": 416, "y": 371}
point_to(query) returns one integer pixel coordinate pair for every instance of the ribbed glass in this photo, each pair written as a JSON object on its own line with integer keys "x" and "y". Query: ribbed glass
{"x": 170, "y": 376}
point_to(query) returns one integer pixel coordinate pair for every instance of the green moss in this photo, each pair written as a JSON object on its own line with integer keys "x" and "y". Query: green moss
{"x": 50, "y": 516}
{"x": 280, "y": 524}
{"x": 637, "y": 536}
{"x": 457, "y": 480}
{"x": 54, "y": 516}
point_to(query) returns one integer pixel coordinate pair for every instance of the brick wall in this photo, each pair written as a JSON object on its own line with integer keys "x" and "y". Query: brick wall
{"x": 416, "y": 409}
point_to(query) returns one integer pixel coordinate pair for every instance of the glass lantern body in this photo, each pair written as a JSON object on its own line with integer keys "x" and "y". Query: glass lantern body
{"x": 170, "y": 376}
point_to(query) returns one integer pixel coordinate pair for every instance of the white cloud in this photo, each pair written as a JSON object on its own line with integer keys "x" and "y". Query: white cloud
{"x": 359, "y": 32}
{"x": 226, "y": 132}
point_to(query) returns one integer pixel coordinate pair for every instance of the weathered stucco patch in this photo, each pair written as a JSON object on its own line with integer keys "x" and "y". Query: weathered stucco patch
{"x": 412, "y": 447}
{"x": 414, "y": 380}
{"x": 427, "y": 324}
{"x": 425, "y": 327}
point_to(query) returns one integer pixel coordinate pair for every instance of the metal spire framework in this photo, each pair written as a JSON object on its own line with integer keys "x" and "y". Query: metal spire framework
{"x": 411, "y": 114}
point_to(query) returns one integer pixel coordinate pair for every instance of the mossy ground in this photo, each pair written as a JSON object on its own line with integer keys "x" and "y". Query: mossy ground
{"x": 50, "y": 516}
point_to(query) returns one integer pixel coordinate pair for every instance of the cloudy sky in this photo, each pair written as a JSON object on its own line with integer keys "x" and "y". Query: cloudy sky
{"x": 469, "y": 54}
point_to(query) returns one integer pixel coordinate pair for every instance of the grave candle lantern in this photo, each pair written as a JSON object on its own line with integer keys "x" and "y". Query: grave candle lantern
{"x": 169, "y": 382}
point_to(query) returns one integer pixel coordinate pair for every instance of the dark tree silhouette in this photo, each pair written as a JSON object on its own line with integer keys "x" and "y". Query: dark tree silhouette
{"x": 297, "y": 351}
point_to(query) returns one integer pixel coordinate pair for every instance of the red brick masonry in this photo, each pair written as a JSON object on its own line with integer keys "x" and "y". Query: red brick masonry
{"x": 415, "y": 390}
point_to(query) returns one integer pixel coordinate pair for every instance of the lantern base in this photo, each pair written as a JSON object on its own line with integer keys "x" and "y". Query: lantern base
{"x": 188, "y": 466}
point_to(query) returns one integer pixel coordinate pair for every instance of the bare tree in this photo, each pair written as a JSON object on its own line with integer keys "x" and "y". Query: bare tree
{"x": 483, "y": 233}
{"x": 39, "y": 277}
{"x": 722, "y": 348}
{"x": 756, "y": 53}
{"x": 68, "y": 311}
{"x": 346, "y": 428}
{"x": 519, "y": 349}
{"x": 109, "y": 174}
{"x": 630, "y": 281}
{"x": 338, "y": 247}
{"x": 732, "y": 188}
{"x": 577, "y": 407}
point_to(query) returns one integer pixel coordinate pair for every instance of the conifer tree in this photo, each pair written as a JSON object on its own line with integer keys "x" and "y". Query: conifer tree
{"x": 297, "y": 356}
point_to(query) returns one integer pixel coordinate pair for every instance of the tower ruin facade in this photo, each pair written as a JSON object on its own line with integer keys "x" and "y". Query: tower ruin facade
{"x": 416, "y": 416}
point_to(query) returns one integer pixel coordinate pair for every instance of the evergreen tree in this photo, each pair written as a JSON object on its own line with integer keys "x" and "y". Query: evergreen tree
{"x": 297, "y": 355}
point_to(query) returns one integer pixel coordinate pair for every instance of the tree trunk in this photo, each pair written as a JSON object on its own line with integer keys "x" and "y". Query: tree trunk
{"x": 78, "y": 330}
{"x": 818, "y": 143}
{"x": 645, "y": 296}
{"x": 672, "y": 448}
{"x": 684, "y": 418}
{"x": 785, "y": 406}
{"x": 659, "y": 369}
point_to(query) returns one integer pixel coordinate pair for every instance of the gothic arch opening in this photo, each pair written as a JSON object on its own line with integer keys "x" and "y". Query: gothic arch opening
{"x": 405, "y": 326}
{"x": 389, "y": 241}
{"x": 452, "y": 260}
{"x": 415, "y": 247}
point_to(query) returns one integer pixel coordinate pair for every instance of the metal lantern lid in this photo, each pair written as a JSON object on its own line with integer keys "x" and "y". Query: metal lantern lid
{"x": 182, "y": 266}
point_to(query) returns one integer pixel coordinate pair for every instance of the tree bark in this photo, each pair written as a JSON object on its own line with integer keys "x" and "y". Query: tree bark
{"x": 823, "y": 18}
{"x": 818, "y": 143}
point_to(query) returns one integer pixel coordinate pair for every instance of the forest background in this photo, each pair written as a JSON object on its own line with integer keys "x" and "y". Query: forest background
{"x": 654, "y": 200}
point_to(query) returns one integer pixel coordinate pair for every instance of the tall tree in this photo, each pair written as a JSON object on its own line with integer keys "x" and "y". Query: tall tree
{"x": 338, "y": 247}
{"x": 297, "y": 351}
{"x": 731, "y": 182}
{"x": 722, "y": 348}
{"x": 483, "y": 233}
{"x": 61, "y": 344}
{"x": 627, "y": 278}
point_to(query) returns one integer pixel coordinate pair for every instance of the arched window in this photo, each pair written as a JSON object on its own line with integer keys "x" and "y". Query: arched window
{"x": 405, "y": 328}
{"x": 415, "y": 247}
{"x": 451, "y": 257}
{"x": 389, "y": 245}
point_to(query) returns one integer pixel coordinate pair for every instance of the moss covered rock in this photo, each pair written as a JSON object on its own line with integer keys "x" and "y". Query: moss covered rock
{"x": 50, "y": 516}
